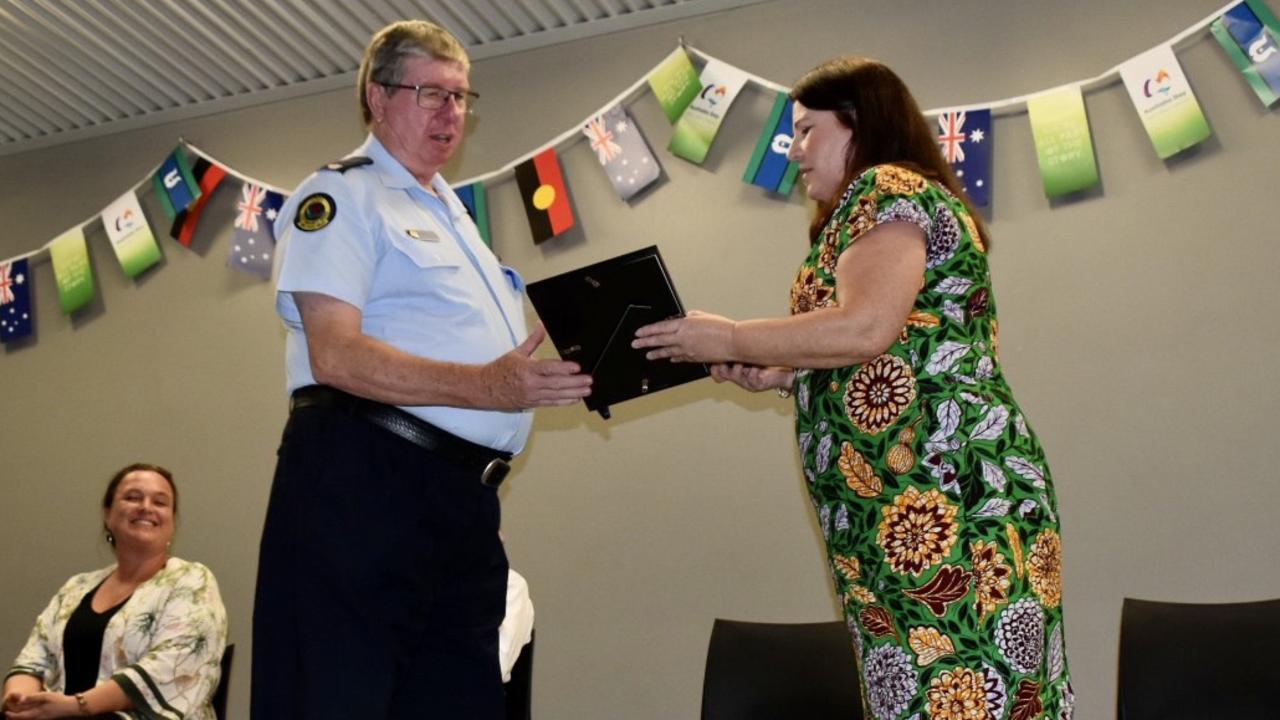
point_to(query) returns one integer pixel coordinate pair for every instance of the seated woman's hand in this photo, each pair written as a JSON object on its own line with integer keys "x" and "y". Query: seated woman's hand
{"x": 40, "y": 706}
{"x": 696, "y": 337}
{"x": 753, "y": 377}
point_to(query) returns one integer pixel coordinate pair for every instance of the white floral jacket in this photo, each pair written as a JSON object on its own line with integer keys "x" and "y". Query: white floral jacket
{"x": 164, "y": 647}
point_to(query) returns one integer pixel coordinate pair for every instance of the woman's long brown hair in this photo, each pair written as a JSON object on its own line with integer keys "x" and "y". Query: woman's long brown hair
{"x": 888, "y": 127}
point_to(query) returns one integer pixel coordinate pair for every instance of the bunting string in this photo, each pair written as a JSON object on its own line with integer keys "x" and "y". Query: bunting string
{"x": 1051, "y": 111}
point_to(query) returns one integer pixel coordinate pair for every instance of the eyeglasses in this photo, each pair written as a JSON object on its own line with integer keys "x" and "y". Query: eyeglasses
{"x": 432, "y": 97}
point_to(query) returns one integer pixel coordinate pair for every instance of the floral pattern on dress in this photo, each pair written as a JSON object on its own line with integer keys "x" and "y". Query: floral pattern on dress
{"x": 917, "y": 531}
{"x": 879, "y": 393}
{"x": 931, "y": 487}
{"x": 164, "y": 647}
{"x": 811, "y": 292}
{"x": 1044, "y": 567}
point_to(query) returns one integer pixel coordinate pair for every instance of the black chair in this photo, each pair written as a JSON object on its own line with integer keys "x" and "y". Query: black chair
{"x": 520, "y": 687}
{"x": 1208, "y": 662}
{"x": 219, "y": 699}
{"x": 768, "y": 671}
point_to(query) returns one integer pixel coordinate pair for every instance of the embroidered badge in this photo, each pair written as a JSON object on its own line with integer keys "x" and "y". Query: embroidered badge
{"x": 314, "y": 212}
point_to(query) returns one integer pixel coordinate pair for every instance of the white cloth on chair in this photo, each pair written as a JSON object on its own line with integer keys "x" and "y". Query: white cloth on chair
{"x": 517, "y": 626}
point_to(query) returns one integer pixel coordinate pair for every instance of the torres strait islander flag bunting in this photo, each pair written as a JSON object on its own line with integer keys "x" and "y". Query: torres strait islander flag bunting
{"x": 15, "y": 300}
{"x": 546, "y": 199}
{"x": 1250, "y": 35}
{"x": 476, "y": 201}
{"x": 769, "y": 167}
{"x": 622, "y": 151}
{"x": 965, "y": 140}
{"x": 174, "y": 184}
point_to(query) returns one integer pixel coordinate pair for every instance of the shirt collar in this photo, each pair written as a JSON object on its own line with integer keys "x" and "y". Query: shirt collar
{"x": 395, "y": 175}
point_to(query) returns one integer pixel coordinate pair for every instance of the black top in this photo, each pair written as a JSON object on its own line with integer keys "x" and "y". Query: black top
{"x": 82, "y": 643}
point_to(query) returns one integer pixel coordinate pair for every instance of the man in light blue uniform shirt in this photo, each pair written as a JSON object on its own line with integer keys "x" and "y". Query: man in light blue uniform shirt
{"x": 381, "y": 579}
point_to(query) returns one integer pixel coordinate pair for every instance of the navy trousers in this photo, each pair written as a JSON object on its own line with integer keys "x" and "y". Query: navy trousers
{"x": 381, "y": 580}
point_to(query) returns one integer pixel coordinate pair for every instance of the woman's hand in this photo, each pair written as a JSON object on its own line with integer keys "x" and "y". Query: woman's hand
{"x": 40, "y": 706}
{"x": 753, "y": 377}
{"x": 696, "y": 337}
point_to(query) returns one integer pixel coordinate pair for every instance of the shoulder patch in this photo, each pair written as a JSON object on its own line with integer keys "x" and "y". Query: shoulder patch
{"x": 346, "y": 164}
{"x": 314, "y": 212}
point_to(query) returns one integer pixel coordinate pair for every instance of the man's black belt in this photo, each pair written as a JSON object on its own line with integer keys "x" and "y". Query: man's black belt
{"x": 490, "y": 465}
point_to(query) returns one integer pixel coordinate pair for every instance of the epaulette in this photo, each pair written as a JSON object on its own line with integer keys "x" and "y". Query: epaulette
{"x": 346, "y": 164}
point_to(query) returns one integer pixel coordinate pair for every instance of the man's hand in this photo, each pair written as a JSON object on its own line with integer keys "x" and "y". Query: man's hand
{"x": 517, "y": 380}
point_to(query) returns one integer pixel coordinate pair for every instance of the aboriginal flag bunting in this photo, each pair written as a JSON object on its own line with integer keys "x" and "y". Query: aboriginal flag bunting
{"x": 546, "y": 199}
{"x": 207, "y": 176}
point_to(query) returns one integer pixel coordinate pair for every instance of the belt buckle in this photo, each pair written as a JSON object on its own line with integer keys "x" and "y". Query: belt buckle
{"x": 495, "y": 472}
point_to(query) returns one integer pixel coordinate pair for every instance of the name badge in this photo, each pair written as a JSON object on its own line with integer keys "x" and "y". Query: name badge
{"x": 423, "y": 235}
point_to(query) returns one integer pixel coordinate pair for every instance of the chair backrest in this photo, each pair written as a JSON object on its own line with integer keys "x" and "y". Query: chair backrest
{"x": 767, "y": 671}
{"x": 219, "y": 699}
{"x": 1180, "y": 660}
{"x": 520, "y": 687}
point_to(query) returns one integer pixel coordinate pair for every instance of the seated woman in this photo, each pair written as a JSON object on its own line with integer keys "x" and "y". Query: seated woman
{"x": 143, "y": 638}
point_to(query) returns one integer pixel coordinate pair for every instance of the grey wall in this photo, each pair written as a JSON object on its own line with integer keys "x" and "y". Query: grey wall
{"x": 1137, "y": 325}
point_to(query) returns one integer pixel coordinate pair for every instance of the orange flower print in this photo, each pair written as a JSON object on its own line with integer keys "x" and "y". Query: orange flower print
{"x": 991, "y": 577}
{"x": 862, "y": 218}
{"x": 878, "y": 393}
{"x": 892, "y": 180}
{"x": 918, "y": 530}
{"x": 1044, "y": 568}
{"x": 809, "y": 292}
{"x": 829, "y": 254}
{"x": 959, "y": 694}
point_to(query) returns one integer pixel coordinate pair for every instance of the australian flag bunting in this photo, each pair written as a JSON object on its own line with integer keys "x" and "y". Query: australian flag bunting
{"x": 965, "y": 139}
{"x": 15, "y": 300}
{"x": 622, "y": 151}
{"x": 254, "y": 244}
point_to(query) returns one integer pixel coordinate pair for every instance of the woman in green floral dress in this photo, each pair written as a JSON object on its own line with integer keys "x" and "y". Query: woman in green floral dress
{"x": 931, "y": 489}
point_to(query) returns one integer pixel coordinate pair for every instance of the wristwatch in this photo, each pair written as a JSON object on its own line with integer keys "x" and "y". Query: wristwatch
{"x": 82, "y": 704}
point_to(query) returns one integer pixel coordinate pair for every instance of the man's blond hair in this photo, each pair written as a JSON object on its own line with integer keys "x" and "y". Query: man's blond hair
{"x": 384, "y": 58}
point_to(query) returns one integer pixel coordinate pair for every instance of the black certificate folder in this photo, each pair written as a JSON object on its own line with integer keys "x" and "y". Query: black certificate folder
{"x": 592, "y": 315}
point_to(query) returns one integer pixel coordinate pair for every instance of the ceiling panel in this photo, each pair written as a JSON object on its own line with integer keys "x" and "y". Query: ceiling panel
{"x": 75, "y": 69}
